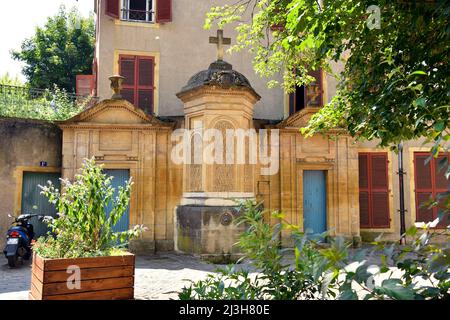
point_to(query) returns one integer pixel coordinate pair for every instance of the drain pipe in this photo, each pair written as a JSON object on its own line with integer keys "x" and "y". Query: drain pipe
{"x": 402, "y": 210}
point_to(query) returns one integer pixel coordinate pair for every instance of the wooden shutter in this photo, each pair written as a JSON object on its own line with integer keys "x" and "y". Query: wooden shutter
{"x": 84, "y": 84}
{"x": 163, "y": 10}
{"x": 112, "y": 8}
{"x": 127, "y": 69}
{"x": 373, "y": 190}
{"x": 429, "y": 183}
{"x": 363, "y": 190}
{"x": 138, "y": 85}
{"x": 145, "y": 84}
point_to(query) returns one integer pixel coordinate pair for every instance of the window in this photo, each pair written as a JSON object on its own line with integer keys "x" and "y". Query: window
{"x": 430, "y": 181}
{"x": 311, "y": 96}
{"x": 138, "y": 10}
{"x": 84, "y": 84}
{"x": 138, "y": 85}
{"x": 373, "y": 190}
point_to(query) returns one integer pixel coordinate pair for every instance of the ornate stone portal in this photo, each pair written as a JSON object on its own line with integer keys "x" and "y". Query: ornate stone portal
{"x": 217, "y": 98}
{"x": 191, "y": 206}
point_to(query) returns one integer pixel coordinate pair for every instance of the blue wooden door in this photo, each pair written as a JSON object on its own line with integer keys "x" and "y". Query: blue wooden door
{"x": 34, "y": 202}
{"x": 120, "y": 177}
{"x": 314, "y": 202}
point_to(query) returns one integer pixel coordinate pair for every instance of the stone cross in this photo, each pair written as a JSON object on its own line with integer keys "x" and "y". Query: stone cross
{"x": 220, "y": 41}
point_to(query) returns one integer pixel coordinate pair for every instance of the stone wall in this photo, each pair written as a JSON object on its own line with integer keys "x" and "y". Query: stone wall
{"x": 23, "y": 144}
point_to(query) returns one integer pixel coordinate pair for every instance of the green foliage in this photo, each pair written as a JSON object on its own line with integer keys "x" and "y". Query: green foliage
{"x": 6, "y": 79}
{"x": 395, "y": 83}
{"x": 83, "y": 228}
{"x": 419, "y": 270}
{"x": 55, "y": 104}
{"x": 59, "y": 51}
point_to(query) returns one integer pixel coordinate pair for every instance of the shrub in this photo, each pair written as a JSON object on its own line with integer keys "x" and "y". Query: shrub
{"x": 419, "y": 270}
{"x": 83, "y": 228}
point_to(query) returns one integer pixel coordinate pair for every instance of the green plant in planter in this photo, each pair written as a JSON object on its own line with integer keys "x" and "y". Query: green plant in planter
{"x": 83, "y": 228}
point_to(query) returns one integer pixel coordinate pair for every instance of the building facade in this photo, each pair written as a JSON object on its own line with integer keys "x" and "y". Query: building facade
{"x": 326, "y": 183}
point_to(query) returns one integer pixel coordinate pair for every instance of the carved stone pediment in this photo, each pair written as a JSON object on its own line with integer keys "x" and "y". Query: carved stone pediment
{"x": 114, "y": 112}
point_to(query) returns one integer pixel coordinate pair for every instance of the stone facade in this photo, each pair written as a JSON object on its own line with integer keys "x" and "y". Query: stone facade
{"x": 121, "y": 136}
{"x": 191, "y": 206}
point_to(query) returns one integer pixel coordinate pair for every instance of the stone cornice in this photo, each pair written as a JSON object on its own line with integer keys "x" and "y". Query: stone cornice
{"x": 82, "y": 120}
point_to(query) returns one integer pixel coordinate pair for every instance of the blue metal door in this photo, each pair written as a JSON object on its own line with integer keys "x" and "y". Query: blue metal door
{"x": 314, "y": 202}
{"x": 34, "y": 202}
{"x": 120, "y": 177}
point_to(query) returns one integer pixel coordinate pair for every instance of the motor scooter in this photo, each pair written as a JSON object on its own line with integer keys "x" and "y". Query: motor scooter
{"x": 19, "y": 239}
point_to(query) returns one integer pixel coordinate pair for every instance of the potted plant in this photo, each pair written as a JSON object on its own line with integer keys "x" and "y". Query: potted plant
{"x": 82, "y": 257}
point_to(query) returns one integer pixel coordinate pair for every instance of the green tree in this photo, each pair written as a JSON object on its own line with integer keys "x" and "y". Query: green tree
{"x": 59, "y": 50}
{"x": 395, "y": 83}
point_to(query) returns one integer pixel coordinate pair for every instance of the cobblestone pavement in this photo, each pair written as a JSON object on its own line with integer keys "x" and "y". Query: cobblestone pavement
{"x": 157, "y": 276}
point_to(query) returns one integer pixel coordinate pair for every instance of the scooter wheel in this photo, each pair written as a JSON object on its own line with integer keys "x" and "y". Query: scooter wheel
{"x": 13, "y": 261}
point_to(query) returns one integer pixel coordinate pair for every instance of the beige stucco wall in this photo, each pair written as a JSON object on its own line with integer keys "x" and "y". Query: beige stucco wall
{"x": 184, "y": 50}
{"x": 23, "y": 144}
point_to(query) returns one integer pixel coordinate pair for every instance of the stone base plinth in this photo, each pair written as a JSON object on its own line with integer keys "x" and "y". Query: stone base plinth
{"x": 208, "y": 231}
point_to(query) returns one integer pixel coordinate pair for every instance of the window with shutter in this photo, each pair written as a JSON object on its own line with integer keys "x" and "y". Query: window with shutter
{"x": 84, "y": 84}
{"x": 373, "y": 190}
{"x": 311, "y": 96}
{"x": 430, "y": 182}
{"x": 138, "y": 85}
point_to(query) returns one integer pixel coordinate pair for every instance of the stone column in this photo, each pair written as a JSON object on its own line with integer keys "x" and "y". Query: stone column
{"x": 218, "y": 106}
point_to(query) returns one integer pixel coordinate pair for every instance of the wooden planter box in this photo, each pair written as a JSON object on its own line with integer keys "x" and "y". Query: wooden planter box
{"x": 102, "y": 278}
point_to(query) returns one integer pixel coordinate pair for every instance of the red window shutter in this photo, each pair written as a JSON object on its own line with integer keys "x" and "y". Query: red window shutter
{"x": 145, "y": 70}
{"x": 138, "y": 85}
{"x": 145, "y": 100}
{"x": 363, "y": 171}
{"x": 112, "y": 8}
{"x": 84, "y": 85}
{"x": 163, "y": 10}
{"x": 364, "y": 220}
{"x": 424, "y": 214}
{"x": 128, "y": 94}
{"x": 423, "y": 172}
{"x": 145, "y": 84}
{"x": 430, "y": 182}
{"x": 380, "y": 192}
{"x": 127, "y": 70}
{"x": 373, "y": 190}
{"x": 127, "y": 66}
{"x": 441, "y": 181}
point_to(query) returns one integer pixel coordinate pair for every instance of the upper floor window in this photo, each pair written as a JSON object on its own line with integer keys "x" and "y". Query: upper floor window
{"x": 138, "y": 10}
{"x": 138, "y": 85}
{"x": 310, "y": 96}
